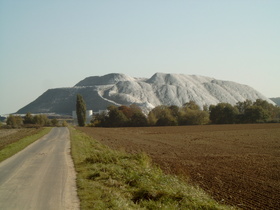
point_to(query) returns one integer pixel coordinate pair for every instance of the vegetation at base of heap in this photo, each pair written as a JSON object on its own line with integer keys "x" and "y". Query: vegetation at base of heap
{"x": 190, "y": 113}
{"x": 121, "y": 116}
{"x": 36, "y": 121}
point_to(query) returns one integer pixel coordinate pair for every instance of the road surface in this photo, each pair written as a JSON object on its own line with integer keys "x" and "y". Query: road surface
{"x": 41, "y": 176}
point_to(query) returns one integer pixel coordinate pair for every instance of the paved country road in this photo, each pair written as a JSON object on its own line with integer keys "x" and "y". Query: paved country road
{"x": 41, "y": 176}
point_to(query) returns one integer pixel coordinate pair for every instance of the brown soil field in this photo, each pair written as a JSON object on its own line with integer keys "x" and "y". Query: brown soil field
{"x": 9, "y": 136}
{"x": 236, "y": 164}
{"x": 7, "y": 132}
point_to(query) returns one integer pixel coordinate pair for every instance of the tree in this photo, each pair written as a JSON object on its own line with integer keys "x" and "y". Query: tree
{"x": 28, "y": 119}
{"x": 126, "y": 111}
{"x": 14, "y": 121}
{"x": 192, "y": 105}
{"x": 162, "y": 116}
{"x": 64, "y": 124}
{"x": 54, "y": 122}
{"x": 255, "y": 114}
{"x": 242, "y": 106}
{"x": 268, "y": 108}
{"x": 193, "y": 117}
{"x": 167, "y": 120}
{"x": 138, "y": 119}
{"x": 223, "y": 113}
{"x": 175, "y": 111}
{"x": 41, "y": 120}
{"x": 81, "y": 110}
{"x": 152, "y": 119}
{"x": 99, "y": 119}
{"x": 115, "y": 118}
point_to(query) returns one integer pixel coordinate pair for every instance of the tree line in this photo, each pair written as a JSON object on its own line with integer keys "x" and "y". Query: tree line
{"x": 190, "y": 113}
{"x": 15, "y": 121}
{"x": 259, "y": 111}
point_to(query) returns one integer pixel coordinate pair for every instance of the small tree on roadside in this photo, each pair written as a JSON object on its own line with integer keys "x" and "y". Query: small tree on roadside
{"x": 81, "y": 110}
{"x": 54, "y": 122}
{"x": 64, "y": 124}
{"x": 41, "y": 120}
{"x": 28, "y": 119}
{"x": 14, "y": 121}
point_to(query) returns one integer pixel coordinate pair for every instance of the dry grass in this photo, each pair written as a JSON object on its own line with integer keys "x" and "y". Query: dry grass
{"x": 18, "y": 140}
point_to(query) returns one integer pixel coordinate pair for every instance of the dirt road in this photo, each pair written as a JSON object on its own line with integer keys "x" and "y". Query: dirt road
{"x": 41, "y": 176}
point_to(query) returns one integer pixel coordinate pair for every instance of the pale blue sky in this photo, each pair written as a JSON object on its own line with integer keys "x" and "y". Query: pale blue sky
{"x": 52, "y": 44}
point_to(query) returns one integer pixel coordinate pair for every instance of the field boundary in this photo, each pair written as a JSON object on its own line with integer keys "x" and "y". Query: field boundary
{"x": 13, "y": 148}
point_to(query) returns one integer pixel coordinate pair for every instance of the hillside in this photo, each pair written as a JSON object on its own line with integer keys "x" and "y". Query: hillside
{"x": 276, "y": 100}
{"x": 161, "y": 89}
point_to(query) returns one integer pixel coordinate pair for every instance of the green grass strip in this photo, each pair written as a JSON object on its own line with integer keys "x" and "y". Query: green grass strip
{"x": 15, "y": 147}
{"x": 111, "y": 179}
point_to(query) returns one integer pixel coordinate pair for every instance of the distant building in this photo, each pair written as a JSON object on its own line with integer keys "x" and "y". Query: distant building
{"x": 3, "y": 118}
{"x": 88, "y": 116}
{"x": 102, "y": 111}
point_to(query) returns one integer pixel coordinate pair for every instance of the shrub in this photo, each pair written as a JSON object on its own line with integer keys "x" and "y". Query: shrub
{"x": 14, "y": 121}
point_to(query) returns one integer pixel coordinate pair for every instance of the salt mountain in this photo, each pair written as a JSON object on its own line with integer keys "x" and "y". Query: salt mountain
{"x": 161, "y": 89}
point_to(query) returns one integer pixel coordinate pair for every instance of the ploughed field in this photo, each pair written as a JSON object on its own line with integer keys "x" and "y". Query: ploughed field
{"x": 236, "y": 164}
{"x": 9, "y": 136}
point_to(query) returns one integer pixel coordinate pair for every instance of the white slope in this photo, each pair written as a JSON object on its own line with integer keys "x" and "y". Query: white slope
{"x": 169, "y": 89}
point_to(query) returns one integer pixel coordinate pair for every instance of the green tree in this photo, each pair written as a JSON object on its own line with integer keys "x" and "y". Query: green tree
{"x": 127, "y": 111}
{"x": 81, "y": 110}
{"x": 41, "y": 120}
{"x": 115, "y": 118}
{"x": 223, "y": 113}
{"x": 14, "y": 121}
{"x": 242, "y": 106}
{"x": 162, "y": 116}
{"x": 28, "y": 119}
{"x": 254, "y": 114}
{"x": 138, "y": 119}
{"x": 175, "y": 111}
{"x": 269, "y": 108}
{"x": 166, "y": 120}
{"x": 194, "y": 117}
{"x": 152, "y": 119}
{"x": 64, "y": 124}
{"x": 54, "y": 122}
{"x": 99, "y": 119}
{"x": 192, "y": 105}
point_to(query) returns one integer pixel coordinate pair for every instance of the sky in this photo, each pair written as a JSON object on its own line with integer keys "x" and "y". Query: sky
{"x": 53, "y": 44}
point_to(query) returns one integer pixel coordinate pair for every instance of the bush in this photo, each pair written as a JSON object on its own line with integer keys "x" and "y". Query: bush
{"x": 223, "y": 113}
{"x": 14, "y": 121}
{"x": 54, "y": 122}
{"x": 163, "y": 116}
{"x": 41, "y": 120}
{"x": 138, "y": 120}
{"x": 194, "y": 117}
{"x": 115, "y": 118}
{"x": 28, "y": 119}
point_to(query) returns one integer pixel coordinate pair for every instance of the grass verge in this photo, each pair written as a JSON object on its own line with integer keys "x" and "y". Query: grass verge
{"x": 111, "y": 179}
{"x": 13, "y": 148}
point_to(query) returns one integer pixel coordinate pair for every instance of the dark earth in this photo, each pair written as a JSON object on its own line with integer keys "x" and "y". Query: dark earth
{"x": 236, "y": 164}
